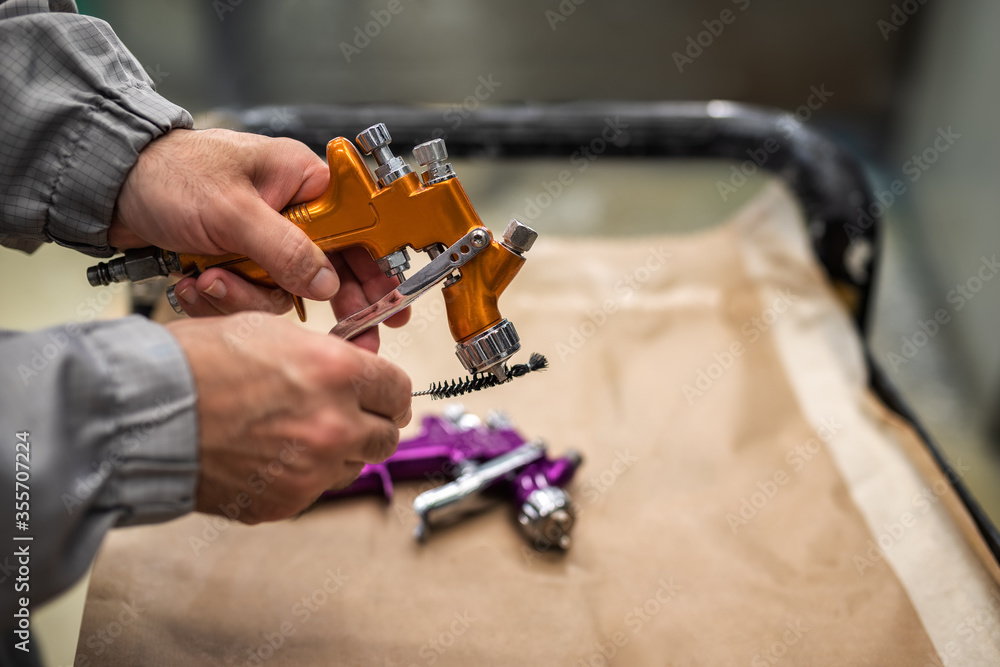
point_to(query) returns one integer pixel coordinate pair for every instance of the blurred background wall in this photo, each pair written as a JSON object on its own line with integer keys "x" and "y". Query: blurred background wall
{"x": 953, "y": 215}
{"x": 249, "y": 52}
{"x": 893, "y": 77}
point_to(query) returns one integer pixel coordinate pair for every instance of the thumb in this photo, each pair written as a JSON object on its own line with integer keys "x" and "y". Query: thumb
{"x": 287, "y": 172}
{"x": 282, "y": 249}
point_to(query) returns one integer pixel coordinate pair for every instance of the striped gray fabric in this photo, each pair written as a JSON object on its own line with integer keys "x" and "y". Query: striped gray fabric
{"x": 109, "y": 407}
{"x": 76, "y": 109}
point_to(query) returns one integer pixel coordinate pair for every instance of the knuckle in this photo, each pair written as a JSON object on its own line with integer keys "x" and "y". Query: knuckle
{"x": 295, "y": 257}
{"x": 296, "y": 150}
{"x": 334, "y": 431}
{"x": 220, "y": 216}
{"x": 381, "y": 443}
{"x": 396, "y": 387}
{"x": 346, "y": 368}
{"x": 334, "y": 368}
{"x": 288, "y": 145}
{"x": 405, "y": 386}
{"x": 272, "y": 301}
{"x": 401, "y": 403}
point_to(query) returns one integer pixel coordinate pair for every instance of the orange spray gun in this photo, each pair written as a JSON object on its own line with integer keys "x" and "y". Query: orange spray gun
{"x": 386, "y": 216}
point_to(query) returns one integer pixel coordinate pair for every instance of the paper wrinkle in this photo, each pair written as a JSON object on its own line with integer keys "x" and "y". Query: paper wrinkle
{"x": 943, "y": 576}
{"x": 656, "y": 571}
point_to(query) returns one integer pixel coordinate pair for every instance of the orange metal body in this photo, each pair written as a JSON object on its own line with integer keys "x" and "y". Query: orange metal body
{"x": 354, "y": 211}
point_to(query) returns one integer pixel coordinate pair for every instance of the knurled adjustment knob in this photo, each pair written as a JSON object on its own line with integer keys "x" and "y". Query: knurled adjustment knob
{"x": 376, "y": 136}
{"x": 430, "y": 151}
{"x": 432, "y": 154}
{"x": 375, "y": 142}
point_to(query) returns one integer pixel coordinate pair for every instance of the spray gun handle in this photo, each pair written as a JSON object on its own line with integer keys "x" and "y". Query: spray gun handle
{"x": 478, "y": 458}
{"x": 453, "y": 499}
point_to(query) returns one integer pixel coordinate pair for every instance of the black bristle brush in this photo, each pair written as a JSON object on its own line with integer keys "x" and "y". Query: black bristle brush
{"x": 453, "y": 388}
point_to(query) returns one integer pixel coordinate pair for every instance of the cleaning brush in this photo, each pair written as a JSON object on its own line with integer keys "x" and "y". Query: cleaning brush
{"x": 450, "y": 389}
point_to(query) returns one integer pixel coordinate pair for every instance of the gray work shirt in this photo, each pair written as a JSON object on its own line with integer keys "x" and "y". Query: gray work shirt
{"x": 108, "y": 407}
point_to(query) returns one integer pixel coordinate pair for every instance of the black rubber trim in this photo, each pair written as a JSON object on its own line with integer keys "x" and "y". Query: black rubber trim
{"x": 843, "y": 217}
{"x": 828, "y": 181}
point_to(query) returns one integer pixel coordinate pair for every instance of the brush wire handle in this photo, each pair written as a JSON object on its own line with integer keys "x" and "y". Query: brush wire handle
{"x": 453, "y": 388}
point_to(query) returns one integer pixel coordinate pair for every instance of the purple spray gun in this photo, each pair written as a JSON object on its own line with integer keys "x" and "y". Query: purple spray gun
{"x": 478, "y": 458}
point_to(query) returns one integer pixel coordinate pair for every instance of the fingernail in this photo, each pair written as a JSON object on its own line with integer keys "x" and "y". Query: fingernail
{"x": 188, "y": 295}
{"x": 324, "y": 285}
{"x": 216, "y": 290}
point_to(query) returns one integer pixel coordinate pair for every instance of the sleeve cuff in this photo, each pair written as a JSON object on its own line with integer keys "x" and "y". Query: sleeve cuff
{"x": 100, "y": 153}
{"x": 154, "y": 449}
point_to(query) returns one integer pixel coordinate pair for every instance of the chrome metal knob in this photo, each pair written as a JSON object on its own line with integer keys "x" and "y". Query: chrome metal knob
{"x": 432, "y": 154}
{"x": 375, "y": 142}
{"x": 374, "y": 137}
{"x": 430, "y": 151}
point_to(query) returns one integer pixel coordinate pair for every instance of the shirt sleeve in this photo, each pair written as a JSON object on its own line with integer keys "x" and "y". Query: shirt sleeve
{"x": 108, "y": 412}
{"x": 104, "y": 412}
{"x": 75, "y": 110}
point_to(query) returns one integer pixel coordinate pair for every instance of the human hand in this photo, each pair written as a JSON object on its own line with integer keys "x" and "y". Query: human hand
{"x": 215, "y": 192}
{"x": 284, "y": 413}
{"x": 361, "y": 284}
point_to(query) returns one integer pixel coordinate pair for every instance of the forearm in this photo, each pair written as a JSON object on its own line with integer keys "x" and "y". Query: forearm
{"x": 75, "y": 110}
{"x": 109, "y": 411}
